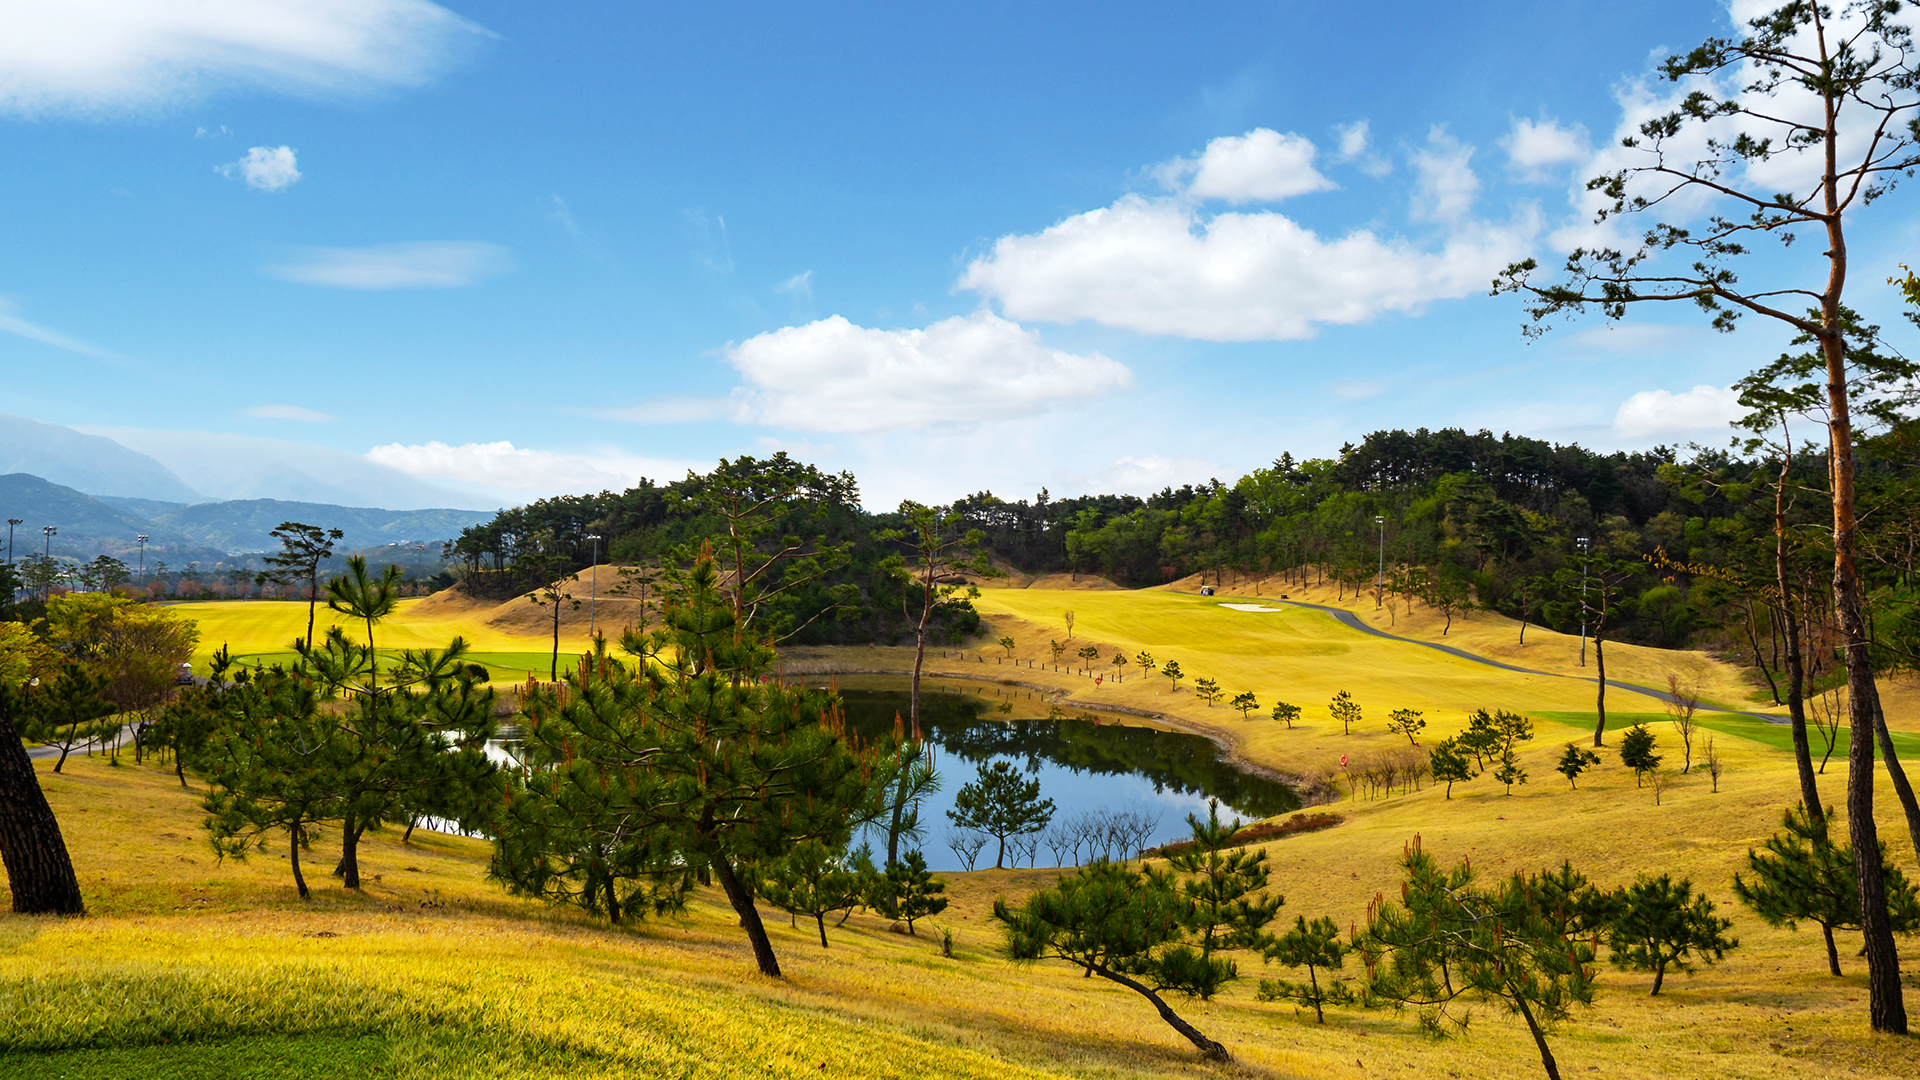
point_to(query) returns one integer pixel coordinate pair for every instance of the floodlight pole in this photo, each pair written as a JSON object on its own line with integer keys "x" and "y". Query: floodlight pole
{"x": 48, "y": 531}
{"x": 11, "y": 522}
{"x": 1380, "y": 579}
{"x": 1582, "y": 541}
{"x": 143, "y": 538}
{"x": 593, "y": 582}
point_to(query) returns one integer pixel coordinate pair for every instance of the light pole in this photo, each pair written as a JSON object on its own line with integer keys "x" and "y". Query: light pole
{"x": 48, "y": 531}
{"x": 593, "y": 582}
{"x": 1582, "y": 541}
{"x": 1380, "y": 579}
{"x": 11, "y": 522}
{"x": 143, "y": 538}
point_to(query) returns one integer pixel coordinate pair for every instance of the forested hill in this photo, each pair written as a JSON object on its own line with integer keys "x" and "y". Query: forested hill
{"x": 1683, "y": 546}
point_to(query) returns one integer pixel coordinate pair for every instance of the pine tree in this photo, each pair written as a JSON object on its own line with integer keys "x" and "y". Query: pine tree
{"x": 1317, "y": 947}
{"x": 1636, "y": 752}
{"x": 1222, "y": 881}
{"x": 1522, "y": 943}
{"x": 812, "y": 880}
{"x": 1001, "y": 803}
{"x": 1346, "y": 710}
{"x": 1406, "y": 722}
{"x": 1803, "y": 876}
{"x": 1509, "y": 771}
{"x": 1286, "y": 713}
{"x": 1658, "y": 924}
{"x": 1127, "y": 926}
{"x": 913, "y": 890}
{"x": 1574, "y": 761}
{"x": 1449, "y": 765}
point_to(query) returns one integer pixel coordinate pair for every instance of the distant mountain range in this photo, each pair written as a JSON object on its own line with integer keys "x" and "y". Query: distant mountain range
{"x": 90, "y": 463}
{"x": 204, "y": 532}
{"x": 187, "y": 467}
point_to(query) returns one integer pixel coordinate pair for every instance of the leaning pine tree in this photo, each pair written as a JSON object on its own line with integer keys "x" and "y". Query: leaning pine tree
{"x": 637, "y": 780}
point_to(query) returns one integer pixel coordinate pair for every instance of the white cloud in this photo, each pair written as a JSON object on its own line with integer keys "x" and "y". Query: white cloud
{"x": 431, "y": 264}
{"x": 1353, "y": 139}
{"x": 1445, "y": 186}
{"x": 14, "y": 324}
{"x": 297, "y": 413}
{"x": 1638, "y": 338}
{"x": 503, "y": 467}
{"x": 268, "y": 168}
{"x": 1357, "y": 389}
{"x": 1354, "y": 148}
{"x": 1156, "y": 266}
{"x": 1652, "y": 413}
{"x": 1149, "y": 473}
{"x": 1260, "y": 166}
{"x": 670, "y": 409}
{"x": 105, "y": 57}
{"x": 1535, "y": 147}
{"x": 831, "y": 375}
{"x": 799, "y": 287}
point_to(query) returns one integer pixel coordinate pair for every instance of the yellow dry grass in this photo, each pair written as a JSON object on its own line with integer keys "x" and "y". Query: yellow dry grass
{"x": 460, "y": 979}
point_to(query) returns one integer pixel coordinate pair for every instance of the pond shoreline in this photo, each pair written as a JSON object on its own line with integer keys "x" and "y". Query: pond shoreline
{"x": 1310, "y": 794}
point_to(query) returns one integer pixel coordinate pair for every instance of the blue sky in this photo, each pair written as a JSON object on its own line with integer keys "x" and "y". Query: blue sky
{"x": 510, "y": 250}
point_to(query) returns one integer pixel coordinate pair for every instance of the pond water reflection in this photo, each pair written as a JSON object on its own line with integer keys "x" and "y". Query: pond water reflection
{"x": 1083, "y": 763}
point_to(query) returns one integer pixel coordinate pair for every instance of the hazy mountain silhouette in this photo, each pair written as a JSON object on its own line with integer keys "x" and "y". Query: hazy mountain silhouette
{"x": 88, "y": 463}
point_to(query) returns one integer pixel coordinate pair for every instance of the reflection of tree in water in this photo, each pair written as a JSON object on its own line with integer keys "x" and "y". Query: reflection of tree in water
{"x": 1170, "y": 760}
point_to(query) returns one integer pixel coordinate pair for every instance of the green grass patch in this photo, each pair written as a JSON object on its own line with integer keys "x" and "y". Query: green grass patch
{"x": 1776, "y": 736}
{"x": 278, "y": 1057}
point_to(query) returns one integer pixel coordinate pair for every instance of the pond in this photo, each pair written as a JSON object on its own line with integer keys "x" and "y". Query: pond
{"x": 1091, "y": 766}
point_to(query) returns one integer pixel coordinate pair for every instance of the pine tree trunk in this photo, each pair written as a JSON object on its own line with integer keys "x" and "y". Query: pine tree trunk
{"x": 294, "y": 836}
{"x": 1898, "y": 775}
{"x": 1887, "y": 1010}
{"x": 39, "y": 870}
{"x": 742, "y": 900}
{"x": 1547, "y": 1063}
{"x": 1796, "y": 663}
{"x": 1833, "y": 954}
{"x": 1600, "y": 700}
{"x": 349, "y": 869}
{"x": 1209, "y": 1050}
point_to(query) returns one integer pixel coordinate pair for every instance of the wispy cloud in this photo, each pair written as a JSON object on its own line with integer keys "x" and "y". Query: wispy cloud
{"x": 14, "y": 324}
{"x": 430, "y": 264}
{"x": 297, "y": 413}
{"x": 106, "y": 57}
{"x": 799, "y": 287}
{"x": 505, "y": 467}
{"x": 670, "y": 409}
{"x": 265, "y": 168}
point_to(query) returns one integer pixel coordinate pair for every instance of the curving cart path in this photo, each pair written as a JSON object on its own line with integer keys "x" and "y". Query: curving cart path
{"x": 1352, "y": 621}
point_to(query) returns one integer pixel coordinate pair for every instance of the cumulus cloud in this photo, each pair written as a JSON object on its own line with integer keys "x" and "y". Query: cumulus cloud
{"x": 431, "y": 264}
{"x": 298, "y": 413}
{"x": 1652, "y": 413}
{"x": 105, "y": 57}
{"x": 1261, "y": 166}
{"x": 1535, "y": 147}
{"x": 268, "y": 168}
{"x": 1149, "y": 473}
{"x": 1445, "y": 185}
{"x": 831, "y": 375}
{"x": 1157, "y": 266}
{"x": 501, "y": 466}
